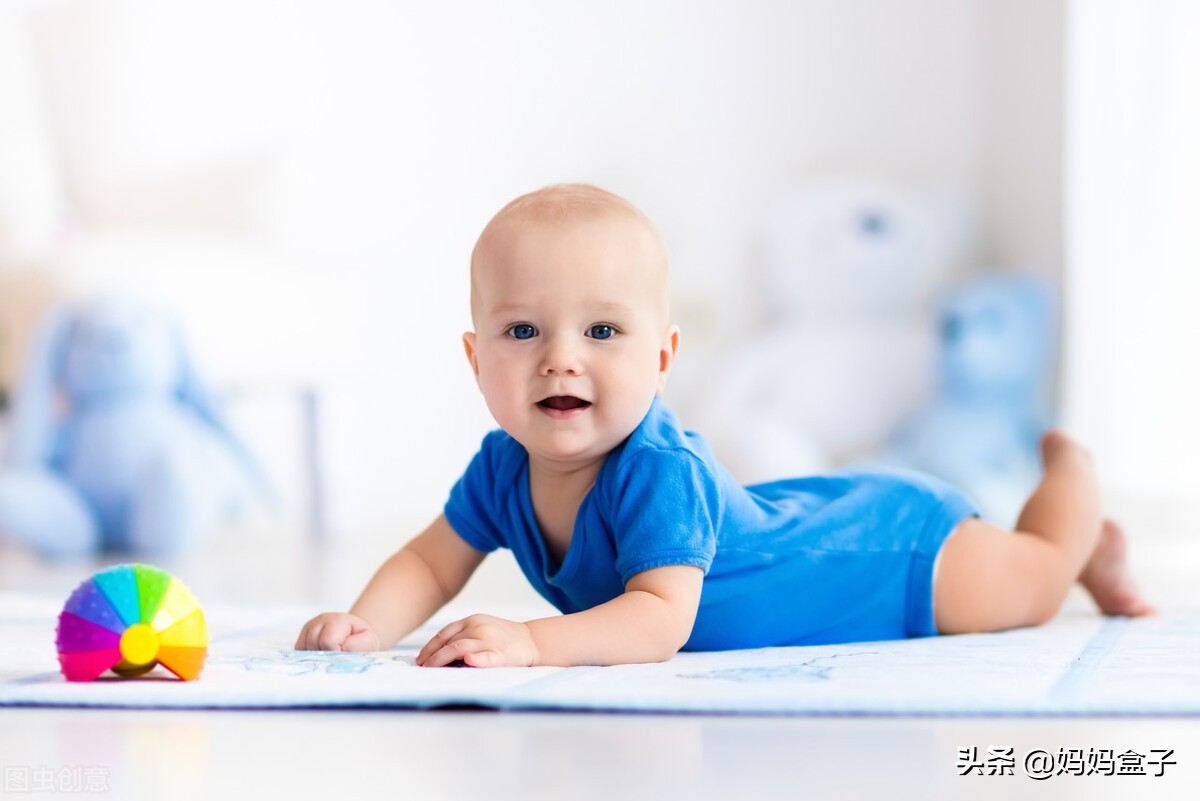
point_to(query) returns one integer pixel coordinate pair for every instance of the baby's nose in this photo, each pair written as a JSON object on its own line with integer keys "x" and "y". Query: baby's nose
{"x": 561, "y": 357}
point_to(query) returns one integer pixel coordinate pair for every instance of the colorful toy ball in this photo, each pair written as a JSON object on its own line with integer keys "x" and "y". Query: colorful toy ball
{"x": 128, "y": 619}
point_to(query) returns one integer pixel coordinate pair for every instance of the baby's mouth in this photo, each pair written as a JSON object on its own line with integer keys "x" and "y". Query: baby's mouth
{"x": 563, "y": 403}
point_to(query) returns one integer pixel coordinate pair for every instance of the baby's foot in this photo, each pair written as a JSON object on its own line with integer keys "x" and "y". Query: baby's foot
{"x": 1057, "y": 445}
{"x": 1106, "y": 576}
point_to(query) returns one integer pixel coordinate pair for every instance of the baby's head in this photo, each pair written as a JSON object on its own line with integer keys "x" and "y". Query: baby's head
{"x": 563, "y": 207}
{"x": 570, "y": 303}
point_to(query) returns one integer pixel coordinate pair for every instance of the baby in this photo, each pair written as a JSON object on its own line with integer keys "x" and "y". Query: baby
{"x": 628, "y": 525}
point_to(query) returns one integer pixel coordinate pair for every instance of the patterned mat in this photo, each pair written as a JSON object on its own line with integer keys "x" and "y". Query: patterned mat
{"x": 1081, "y": 664}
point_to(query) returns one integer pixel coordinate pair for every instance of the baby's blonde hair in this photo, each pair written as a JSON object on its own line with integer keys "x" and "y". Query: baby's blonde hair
{"x": 567, "y": 203}
{"x": 564, "y": 204}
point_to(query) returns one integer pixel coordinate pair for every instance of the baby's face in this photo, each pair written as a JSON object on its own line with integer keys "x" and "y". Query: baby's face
{"x": 571, "y": 340}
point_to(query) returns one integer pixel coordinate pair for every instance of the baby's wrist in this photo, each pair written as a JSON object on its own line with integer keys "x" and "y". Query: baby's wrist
{"x": 536, "y": 643}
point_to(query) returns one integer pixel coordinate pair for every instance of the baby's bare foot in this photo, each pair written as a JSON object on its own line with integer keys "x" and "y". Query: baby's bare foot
{"x": 1106, "y": 576}
{"x": 1057, "y": 445}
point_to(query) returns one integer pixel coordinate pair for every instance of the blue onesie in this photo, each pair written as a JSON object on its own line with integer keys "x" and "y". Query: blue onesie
{"x": 840, "y": 558}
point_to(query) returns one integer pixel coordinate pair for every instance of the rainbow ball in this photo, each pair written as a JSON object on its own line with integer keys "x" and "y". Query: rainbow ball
{"x": 127, "y": 619}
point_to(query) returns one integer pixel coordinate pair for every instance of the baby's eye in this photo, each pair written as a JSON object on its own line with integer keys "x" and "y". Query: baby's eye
{"x": 522, "y": 331}
{"x": 601, "y": 331}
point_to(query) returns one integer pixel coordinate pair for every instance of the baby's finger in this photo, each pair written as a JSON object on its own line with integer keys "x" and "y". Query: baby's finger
{"x": 483, "y": 659}
{"x": 332, "y": 635}
{"x": 362, "y": 641}
{"x": 451, "y": 652}
{"x": 440, "y": 639}
{"x": 309, "y": 634}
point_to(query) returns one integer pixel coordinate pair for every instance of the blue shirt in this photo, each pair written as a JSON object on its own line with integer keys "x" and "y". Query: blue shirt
{"x": 835, "y": 558}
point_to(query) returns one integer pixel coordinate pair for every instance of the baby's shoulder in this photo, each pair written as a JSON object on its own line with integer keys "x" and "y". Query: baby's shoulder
{"x": 661, "y": 432}
{"x": 500, "y": 457}
{"x": 667, "y": 457}
{"x": 660, "y": 441}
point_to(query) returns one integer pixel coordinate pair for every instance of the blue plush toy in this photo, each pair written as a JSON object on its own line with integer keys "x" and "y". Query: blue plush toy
{"x": 982, "y": 429}
{"x": 114, "y": 443}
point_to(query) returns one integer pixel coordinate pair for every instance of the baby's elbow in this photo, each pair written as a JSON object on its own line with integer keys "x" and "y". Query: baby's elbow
{"x": 669, "y": 653}
{"x": 664, "y": 647}
{"x": 663, "y": 641}
{"x": 668, "y": 616}
{"x": 678, "y": 636}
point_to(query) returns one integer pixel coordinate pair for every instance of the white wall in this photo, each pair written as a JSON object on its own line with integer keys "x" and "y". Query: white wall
{"x": 1021, "y": 105}
{"x": 354, "y": 150}
{"x": 1132, "y": 380}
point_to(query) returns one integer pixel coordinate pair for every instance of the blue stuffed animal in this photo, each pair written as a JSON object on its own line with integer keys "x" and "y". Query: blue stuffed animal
{"x": 982, "y": 429}
{"x": 114, "y": 444}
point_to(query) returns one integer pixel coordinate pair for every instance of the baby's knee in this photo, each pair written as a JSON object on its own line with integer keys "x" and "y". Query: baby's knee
{"x": 990, "y": 579}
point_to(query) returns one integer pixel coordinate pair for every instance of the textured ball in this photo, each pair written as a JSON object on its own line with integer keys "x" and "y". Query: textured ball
{"x": 127, "y": 619}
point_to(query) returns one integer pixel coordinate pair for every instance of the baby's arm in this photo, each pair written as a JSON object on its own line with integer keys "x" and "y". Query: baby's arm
{"x": 407, "y": 589}
{"x": 649, "y": 622}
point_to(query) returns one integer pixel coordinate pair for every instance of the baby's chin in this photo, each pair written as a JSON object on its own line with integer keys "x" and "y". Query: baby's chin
{"x": 567, "y": 450}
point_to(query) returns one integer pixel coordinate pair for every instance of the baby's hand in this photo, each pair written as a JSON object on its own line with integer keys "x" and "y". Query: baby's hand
{"x": 481, "y": 641}
{"x": 337, "y": 631}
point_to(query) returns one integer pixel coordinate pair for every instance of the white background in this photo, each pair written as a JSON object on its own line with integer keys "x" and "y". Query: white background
{"x": 303, "y": 181}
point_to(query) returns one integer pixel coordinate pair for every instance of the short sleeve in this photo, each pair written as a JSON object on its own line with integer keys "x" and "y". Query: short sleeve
{"x": 667, "y": 506}
{"x": 474, "y": 506}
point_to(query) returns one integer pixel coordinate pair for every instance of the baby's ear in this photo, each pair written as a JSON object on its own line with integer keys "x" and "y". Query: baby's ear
{"x": 666, "y": 355}
{"x": 469, "y": 347}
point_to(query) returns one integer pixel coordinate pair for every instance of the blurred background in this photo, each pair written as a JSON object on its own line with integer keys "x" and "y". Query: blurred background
{"x": 901, "y": 233}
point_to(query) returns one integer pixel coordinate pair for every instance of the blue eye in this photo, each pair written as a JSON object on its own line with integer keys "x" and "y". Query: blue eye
{"x": 601, "y": 331}
{"x": 522, "y": 331}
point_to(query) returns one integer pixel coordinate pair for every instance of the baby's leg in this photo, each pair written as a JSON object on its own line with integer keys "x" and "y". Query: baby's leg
{"x": 989, "y": 579}
{"x": 1107, "y": 577}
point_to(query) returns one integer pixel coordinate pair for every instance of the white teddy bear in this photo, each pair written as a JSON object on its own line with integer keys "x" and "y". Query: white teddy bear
{"x": 847, "y": 347}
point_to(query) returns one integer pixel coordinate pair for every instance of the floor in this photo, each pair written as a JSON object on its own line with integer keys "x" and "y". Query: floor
{"x": 470, "y": 752}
